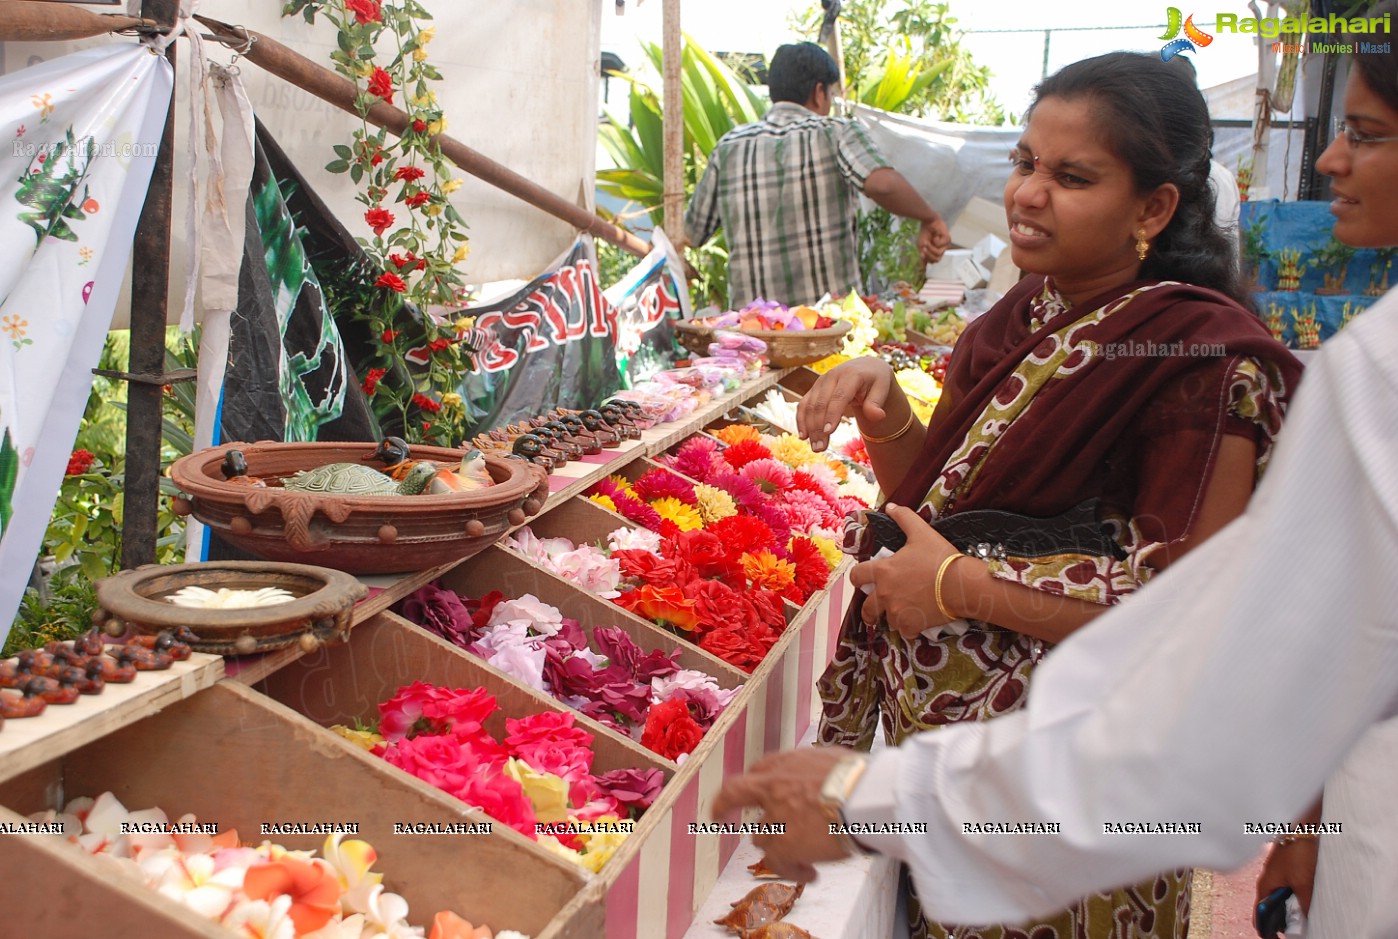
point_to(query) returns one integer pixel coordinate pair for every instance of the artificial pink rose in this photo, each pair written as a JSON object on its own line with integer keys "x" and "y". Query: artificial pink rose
{"x": 550, "y": 743}
{"x": 632, "y": 788}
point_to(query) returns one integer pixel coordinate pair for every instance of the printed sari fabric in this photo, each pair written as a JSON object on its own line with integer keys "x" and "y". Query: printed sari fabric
{"x": 1124, "y": 398}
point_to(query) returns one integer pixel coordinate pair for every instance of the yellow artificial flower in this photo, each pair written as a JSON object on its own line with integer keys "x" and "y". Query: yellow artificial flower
{"x": 367, "y": 739}
{"x": 604, "y": 501}
{"x": 436, "y": 127}
{"x": 714, "y": 504}
{"x": 423, "y": 101}
{"x": 548, "y": 793}
{"x": 420, "y": 54}
{"x": 685, "y": 517}
{"x": 828, "y": 550}
{"x": 623, "y": 483}
{"x": 735, "y": 433}
{"x": 464, "y": 323}
{"x": 550, "y": 843}
{"x": 767, "y": 570}
{"x": 462, "y": 252}
{"x": 599, "y": 846}
{"x": 426, "y": 35}
{"x": 451, "y": 186}
{"x": 352, "y": 861}
{"x": 451, "y": 400}
{"x": 432, "y": 209}
{"x": 793, "y": 451}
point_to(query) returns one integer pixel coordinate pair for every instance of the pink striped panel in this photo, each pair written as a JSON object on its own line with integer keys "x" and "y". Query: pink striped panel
{"x": 776, "y": 697}
{"x": 683, "y": 845}
{"x": 837, "y": 612}
{"x": 622, "y": 902}
{"x": 806, "y": 675}
{"x": 734, "y": 752}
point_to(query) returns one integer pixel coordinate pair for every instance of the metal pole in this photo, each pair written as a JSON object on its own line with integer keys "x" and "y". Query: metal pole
{"x": 673, "y": 128}
{"x": 1047, "y": 34}
{"x": 150, "y": 278}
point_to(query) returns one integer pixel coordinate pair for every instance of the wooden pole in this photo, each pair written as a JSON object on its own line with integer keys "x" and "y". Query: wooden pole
{"x": 325, "y": 84}
{"x": 150, "y": 281}
{"x": 673, "y": 128}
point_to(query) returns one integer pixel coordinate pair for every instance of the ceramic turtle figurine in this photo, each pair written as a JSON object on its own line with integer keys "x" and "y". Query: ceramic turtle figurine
{"x": 356, "y": 479}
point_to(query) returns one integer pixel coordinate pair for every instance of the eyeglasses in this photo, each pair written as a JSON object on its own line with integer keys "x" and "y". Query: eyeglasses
{"x": 1357, "y": 137}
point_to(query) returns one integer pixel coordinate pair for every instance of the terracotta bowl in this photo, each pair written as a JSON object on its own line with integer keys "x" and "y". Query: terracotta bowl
{"x": 321, "y": 613}
{"x": 786, "y": 348}
{"x": 355, "y": 533}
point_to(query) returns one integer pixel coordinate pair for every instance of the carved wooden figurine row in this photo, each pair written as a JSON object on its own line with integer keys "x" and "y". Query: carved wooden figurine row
{"x": 562, "y": 435}
{"x": 60, "y": 671}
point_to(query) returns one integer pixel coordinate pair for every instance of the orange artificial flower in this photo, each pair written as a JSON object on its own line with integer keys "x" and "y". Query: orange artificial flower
{"x": 447, "y": 925}
{"x": 767, "y": 570}
{"x": 662, "y": 604}
{"x": 314, "y": 890}
{"x": 735, "y": 433}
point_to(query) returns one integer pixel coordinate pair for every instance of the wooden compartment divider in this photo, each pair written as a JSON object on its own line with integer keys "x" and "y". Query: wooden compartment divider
{"x": 235, "y": 758}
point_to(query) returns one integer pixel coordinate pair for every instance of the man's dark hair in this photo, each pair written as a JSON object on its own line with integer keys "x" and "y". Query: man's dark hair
{"x": 796, "y": 69}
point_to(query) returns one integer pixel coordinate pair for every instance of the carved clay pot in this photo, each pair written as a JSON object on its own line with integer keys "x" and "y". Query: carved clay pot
{"x": 786, "y": 348}
{"x": 355, "y": 533}
{"x": 321, "y": 613}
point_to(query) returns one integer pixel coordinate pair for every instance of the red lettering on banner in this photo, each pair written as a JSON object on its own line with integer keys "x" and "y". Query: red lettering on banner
{"x": 603, "y": 313}
{"x": 567, "y": 282}
{"x": 524, "y": 316}
{"x": 492, "y": 357}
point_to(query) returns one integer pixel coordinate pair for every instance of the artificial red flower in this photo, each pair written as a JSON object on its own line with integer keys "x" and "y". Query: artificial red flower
{"x": 636, "y": 510}
{"x": 744, "y": 452}
{"x": 426, "y": 403}
{"x": 371, "y": 380}
{"x": 80, "y": 462}
{"x": 670, "y": 731}
{"x": 379, "y": 219}
{"x": 365, "y": 11}
{"x": 706, "y": 552}
{"x": 636, "y": 564}
{"x": 717, "y": 605}
{"x": 409, "y": 173}
{"x": 662, "y": 604}
{"x": 389, "y": 335}
{"x": 733, "y": 646}
{"x": 437, "y": 345}
{"x": 421, "y": 197}
{"x": 743, "y": 534}
{"x": 419, "y": 125}
{"x": 812, "y": 570}
{"x": 381, "y": 85}
{"x": 392, "y": 282}
{"x": 374, "y": 158}
{"x": 439, "y": 710}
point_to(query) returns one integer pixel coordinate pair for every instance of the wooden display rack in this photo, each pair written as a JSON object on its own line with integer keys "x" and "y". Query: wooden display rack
{"x": 262, "y": 732}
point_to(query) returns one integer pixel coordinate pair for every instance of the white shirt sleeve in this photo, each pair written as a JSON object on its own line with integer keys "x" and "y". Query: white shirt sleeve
{"x": 1222, "y": 694}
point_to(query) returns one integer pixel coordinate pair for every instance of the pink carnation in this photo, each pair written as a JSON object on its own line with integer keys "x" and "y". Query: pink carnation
{"x": 821, "y": 487}
{"x": 696, "y": 458}
{"x": 743, "y": 490}
{"x": 801, "y": 516}
{"x": 769, "y": 475}
{"x": 660, "y": 484}
{"x": 636, "y": 510}
{"x": 810, "y": 502}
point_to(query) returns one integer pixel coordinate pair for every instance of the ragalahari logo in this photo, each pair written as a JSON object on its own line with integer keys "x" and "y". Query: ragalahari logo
{"x": 1193, "y": 35}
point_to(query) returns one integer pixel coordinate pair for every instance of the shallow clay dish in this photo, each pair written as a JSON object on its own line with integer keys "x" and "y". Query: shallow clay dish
{"x": 321, "y": 612}
{"x": 355, "y": 533}
{"x": 786, "y": 348}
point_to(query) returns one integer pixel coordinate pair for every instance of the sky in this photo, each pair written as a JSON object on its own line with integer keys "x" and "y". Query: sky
{"x": 1016, "y": 59}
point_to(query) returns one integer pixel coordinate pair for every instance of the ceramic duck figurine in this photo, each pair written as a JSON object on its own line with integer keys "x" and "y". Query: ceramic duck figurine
{"x": 235, "y": 469}
{"x": 466, "y": 476}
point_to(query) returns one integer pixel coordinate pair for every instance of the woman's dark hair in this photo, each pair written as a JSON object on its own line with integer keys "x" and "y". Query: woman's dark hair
{"x": 795, "y": 70}
{"x": 1379, "y": 70}
{"x": 1152, "y": 116}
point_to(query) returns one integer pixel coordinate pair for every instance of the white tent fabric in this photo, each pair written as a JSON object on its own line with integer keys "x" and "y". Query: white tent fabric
{"x": 520, "y": 86}
{"x": 84, "y": 129}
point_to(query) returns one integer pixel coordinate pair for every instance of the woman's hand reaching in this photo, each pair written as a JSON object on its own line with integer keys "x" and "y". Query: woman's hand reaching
{"x": 860, "y": 388}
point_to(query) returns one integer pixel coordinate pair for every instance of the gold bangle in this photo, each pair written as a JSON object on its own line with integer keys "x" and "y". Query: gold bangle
{"x": 937, "y": 588}
{"x": 1284, "y": 840}
{"x": 907, "y": 425}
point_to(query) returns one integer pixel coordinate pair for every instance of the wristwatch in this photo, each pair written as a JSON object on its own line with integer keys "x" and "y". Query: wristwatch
{"x": 838, "y": 786}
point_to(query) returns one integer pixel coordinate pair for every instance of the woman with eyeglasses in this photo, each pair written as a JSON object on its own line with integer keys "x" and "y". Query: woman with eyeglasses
{"x": 1253, "y": 672}
{"x": 1123, "y": 368}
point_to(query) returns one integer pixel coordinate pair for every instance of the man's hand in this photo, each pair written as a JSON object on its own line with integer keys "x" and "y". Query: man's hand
{"x": 786, "y": 787}
{"x": 933, "y": 240}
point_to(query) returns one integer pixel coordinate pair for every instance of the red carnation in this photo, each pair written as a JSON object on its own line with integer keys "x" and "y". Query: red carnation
{"x": 80, "y": 462}
{"x": 371, "y": 380}
{"x": 743, "y": 534}
{"x": 670, "y": 731}
{"x": 365, "y": 11}
{"x": 419, "y": 125}
{"x": 812, "y": 570}
{"x": 744, "y": 452}
{"x": 421, "y": 197}
{"x": 392, "y": 282}
{"x": 381, "y": 85}
{"x": 408, "y": 173}
{"x": 426, "y": 403}
{"x": 379, "y": 219}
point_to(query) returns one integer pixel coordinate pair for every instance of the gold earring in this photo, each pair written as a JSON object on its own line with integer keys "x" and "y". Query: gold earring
{"x": 1142, "y": 246}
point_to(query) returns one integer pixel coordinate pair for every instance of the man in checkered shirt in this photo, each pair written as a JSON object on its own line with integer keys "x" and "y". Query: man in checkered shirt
{"x": 785, "y": 190}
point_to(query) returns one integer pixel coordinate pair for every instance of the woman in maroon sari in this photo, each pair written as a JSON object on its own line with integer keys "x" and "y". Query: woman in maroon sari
{"x": 1121, "y": 368}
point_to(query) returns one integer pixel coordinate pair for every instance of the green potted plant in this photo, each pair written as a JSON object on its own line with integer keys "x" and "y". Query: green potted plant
{"x": 1332, "y": 260}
